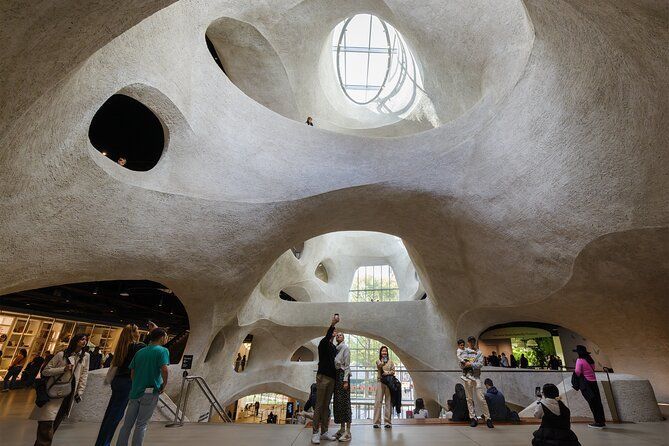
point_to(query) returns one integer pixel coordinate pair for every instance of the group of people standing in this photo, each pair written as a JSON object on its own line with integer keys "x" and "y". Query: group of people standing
{"x": 137, "y": 375}
{"x": 333, "y": 380}
{"x": 240, "y": 363}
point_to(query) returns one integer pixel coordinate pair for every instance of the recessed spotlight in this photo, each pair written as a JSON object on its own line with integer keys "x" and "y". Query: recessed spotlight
{"x": 104, "y": 153}
{"x": 124, "y": 294}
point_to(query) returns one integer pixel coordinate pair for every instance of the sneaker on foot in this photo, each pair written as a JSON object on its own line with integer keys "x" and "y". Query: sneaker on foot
{"x": 328, "y": 436}
{"x": 388, "y": 426}
{"x": 345, "y": 437}
{"x": 596, "y": 425}
{"x": 488, "y": 423}
{"x": 474, "y": 422}
{"x": 316, "y": 438}
{"x": 376, "y": 426}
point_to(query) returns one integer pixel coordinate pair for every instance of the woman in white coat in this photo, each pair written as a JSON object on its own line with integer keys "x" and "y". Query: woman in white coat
{"x": 67, "y": 373}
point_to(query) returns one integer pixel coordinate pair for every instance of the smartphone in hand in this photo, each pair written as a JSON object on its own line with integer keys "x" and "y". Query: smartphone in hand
{"x": 537, "y": 392}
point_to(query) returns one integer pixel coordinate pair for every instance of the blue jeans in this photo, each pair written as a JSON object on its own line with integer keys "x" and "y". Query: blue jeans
{"x": 137, "y": 414}
{"x": 120, "y": 387}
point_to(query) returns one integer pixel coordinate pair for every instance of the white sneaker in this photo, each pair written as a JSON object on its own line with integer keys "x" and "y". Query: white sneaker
{"x": 345, "y": 437}
{"x": 316, "y": 438}
{"x": 328, "y": 436}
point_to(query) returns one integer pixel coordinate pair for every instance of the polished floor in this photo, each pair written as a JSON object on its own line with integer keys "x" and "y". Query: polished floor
{"x": 21, "y": 433}
{"x": 16, "y": 430}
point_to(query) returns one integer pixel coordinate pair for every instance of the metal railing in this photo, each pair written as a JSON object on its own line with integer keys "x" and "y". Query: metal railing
{"x": 214, "y": 404}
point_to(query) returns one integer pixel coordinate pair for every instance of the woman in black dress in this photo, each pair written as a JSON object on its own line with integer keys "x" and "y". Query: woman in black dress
{"x": 342, "y": 391}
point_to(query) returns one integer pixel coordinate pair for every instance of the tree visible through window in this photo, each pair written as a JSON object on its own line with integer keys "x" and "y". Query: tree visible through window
{"x": 374, "y": 284}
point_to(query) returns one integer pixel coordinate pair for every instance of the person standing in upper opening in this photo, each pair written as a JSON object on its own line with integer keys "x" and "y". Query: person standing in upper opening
{"x": 524, "y": 364}
{"x": 118, "y": 377}
{"x": 503, "y": 361}
{"x": 310, "y": 121}
{"x": 67, "y": 374}
{"x": 474, "y": 386}
{"x": 238, "y": 362}
{"x": 585, "y": 368}
{"x": 243, "y": 363}
{"x": 555, "y": 427}
{"x": 342, "y": 392}
{"x": 149, "y": 373}
{"x": 256, "y": 407}
{"x": 384, "y": 366}
{"x": 325, "y": 383}
{"x": 14, "y": 370}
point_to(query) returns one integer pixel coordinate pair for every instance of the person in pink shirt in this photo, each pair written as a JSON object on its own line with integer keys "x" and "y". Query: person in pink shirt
{"x": 585, "y": 368}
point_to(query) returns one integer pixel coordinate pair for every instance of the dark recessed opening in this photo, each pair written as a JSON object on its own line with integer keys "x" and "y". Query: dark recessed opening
{"x": 285, "y": 296}
{"x": 214, "y": 54}
{"x": 125, "y": 128}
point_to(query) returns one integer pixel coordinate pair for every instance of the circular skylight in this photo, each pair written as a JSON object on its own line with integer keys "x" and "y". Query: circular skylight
{"x": 374, "y": 65}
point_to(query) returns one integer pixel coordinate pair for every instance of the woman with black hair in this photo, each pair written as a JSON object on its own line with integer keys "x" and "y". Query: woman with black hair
{"x": 67, "y": 373}
{"x": 14, "y": 370}
{"x": 384, "y": 367}
{"x": 585, "y": 370}
{"x": 459, "y": 404}
{"x": 555, "y": 427}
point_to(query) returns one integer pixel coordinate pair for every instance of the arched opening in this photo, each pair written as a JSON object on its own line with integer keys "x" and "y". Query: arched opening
{"x": 321, "y": 272}
{"x": 216, "y": 346}
{"x": 43, "y": 320}
{"x": 535, "y": 345}
{"x": 363, "y": 380}
{"x": 243, "y": 354}
{"x": 375, "y": 283}
{"x": 302, "y": 354}
{"x": 269, "y": 408}
{"x": 128, "y": 132}
{"x": 347, "y": 266}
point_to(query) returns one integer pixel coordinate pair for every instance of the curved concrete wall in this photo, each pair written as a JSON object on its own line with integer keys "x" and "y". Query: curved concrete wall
{"x": 545, "y": 200}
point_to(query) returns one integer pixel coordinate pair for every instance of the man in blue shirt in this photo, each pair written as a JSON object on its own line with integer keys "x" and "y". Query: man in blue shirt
{"x": 148, "y": 370}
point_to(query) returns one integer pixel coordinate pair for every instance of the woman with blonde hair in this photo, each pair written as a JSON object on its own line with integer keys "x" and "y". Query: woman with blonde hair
{"x": 119, "y": 378}
{"x": 385, "y": 367}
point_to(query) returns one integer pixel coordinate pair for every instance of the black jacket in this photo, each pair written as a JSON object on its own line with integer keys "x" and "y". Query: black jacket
{"x": 395, "y": 391}
{"x": 326, "y": 355}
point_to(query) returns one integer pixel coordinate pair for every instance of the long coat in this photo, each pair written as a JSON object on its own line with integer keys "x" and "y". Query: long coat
{"x": 53, "y": 370}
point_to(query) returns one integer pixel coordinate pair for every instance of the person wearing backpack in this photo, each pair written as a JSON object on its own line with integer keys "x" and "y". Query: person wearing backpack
{"x": 585, "y": 370}
{"x": 555, "y": 429}
{"x": 66, "y": 373}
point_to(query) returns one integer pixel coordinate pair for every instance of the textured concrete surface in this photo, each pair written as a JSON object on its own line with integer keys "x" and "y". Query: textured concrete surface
{"x": 540, "y": 196}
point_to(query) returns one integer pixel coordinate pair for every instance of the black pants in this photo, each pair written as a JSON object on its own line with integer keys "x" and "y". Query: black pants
{"x": 594, "y": 400}
{"x": 12, "y": 374}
